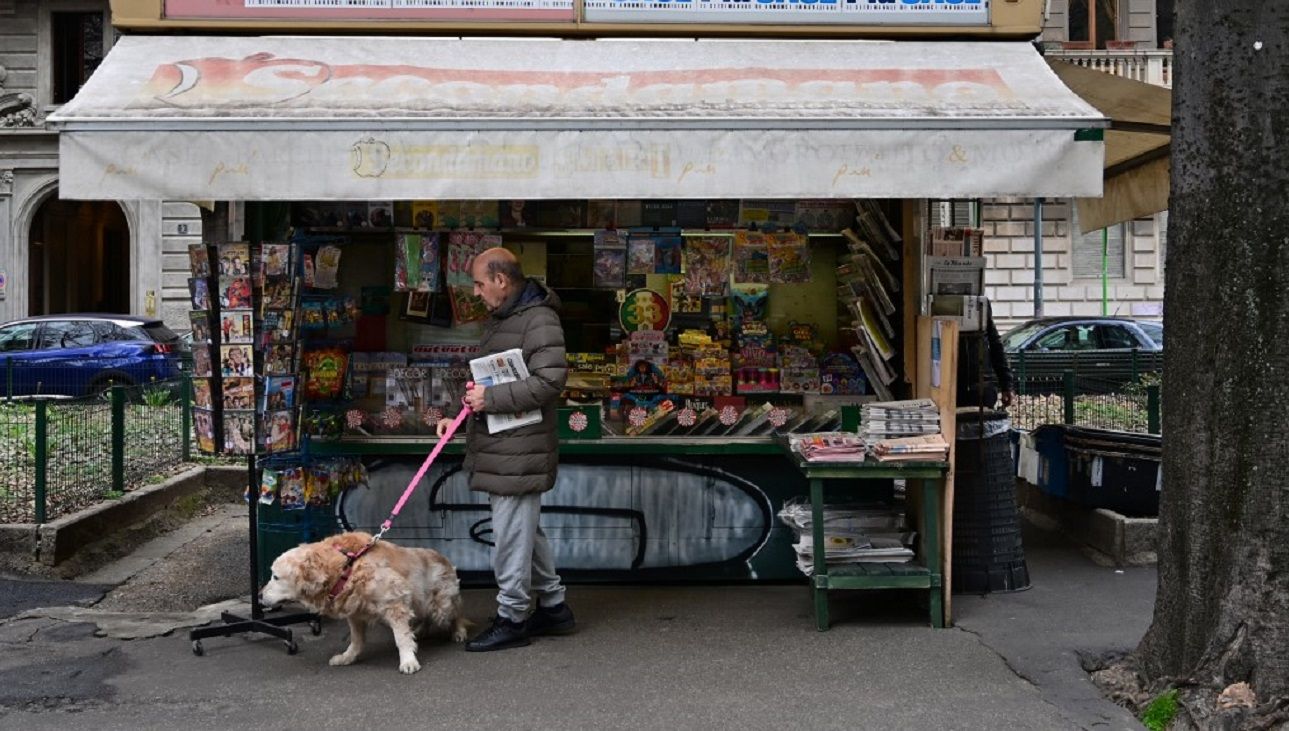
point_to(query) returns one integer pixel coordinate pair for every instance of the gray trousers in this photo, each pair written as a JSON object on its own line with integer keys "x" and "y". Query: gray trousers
{"x": 521, "y": 557}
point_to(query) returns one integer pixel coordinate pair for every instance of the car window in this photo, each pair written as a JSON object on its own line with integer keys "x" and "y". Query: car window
{"x": 160, "y": 333}
{"x": 1117, "y": 336}
{"x": 1067, "y": 337}
{"x": 1154, "y": 331}
{"x": 67, "y": 334}
{"x": 1014, "y": 339}
{"x": 18, "y": 337}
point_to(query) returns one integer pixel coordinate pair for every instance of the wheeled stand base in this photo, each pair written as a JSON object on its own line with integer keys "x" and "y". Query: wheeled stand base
{"x": 272, "y": 626}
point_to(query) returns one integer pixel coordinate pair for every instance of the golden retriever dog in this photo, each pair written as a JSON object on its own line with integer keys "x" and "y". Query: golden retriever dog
{"x": 405, "y": 588}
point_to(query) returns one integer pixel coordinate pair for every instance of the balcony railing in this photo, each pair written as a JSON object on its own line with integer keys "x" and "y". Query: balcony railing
{"x": 1153, "y": 66}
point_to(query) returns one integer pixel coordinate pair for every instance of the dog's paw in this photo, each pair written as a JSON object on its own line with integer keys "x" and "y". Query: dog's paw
{"x": 344, "y": 658}
{"x": 408, "y": 666}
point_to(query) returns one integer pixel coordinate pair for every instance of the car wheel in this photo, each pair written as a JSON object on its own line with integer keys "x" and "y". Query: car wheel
{"x": 104, "y": 381}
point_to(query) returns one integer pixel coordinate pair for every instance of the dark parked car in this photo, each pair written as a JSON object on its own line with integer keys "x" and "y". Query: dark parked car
{"x": 1105, "y": 354}
{"x": 82, "y": 354}
{"x": 1048, "y": 334}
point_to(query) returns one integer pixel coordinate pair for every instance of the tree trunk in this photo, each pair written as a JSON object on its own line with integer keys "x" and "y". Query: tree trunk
{"x": 1222, "y": 610}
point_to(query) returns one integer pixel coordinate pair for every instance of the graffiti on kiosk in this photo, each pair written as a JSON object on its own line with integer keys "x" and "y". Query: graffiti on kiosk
{"x": 672, "y": 514}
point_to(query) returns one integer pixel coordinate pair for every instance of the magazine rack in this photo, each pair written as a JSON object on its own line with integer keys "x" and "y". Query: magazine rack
{"x": 233, "y": 624}
{"x": 228, "y": 296}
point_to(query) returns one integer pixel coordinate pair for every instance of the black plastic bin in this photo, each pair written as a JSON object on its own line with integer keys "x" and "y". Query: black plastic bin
{"x": 987, "y": 552}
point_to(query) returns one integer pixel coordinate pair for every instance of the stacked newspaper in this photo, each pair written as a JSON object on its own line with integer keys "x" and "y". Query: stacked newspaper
{"x": 895, "y": 419}
{"x": 828, "y": 446}
{"x": 868, "y": 533}
{"x": 930, "y": 448}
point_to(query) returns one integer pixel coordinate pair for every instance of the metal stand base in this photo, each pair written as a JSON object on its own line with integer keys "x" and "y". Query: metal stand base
{"x": 257, "y": 622}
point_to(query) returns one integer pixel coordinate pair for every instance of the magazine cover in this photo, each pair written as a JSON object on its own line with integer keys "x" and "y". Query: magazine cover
{"x": 200, "y": 324}
{"x": 429, "y": 263}
{"x": 239, "y": 392}
{"x": 235, "y": 360}
{"x": 380, "y": 214}
{"x": 234, "y": 292}
{"x": 406, "y": 387}
{"x": 199, "y": 289}
{"x": 235, "y": 326}
{"x": 199, "y": 260}
{"x": 667, "y": 254}
{"x": 610, "y": 258}
{"x": 279, "y": 359}
{"x": 423, "y": 214}
{"x": 234, "y": 260}
{"x": 479, "y": 214}
{"x": 313, "y": 315}
{"x": 239, "y": 432}
{"x": 279, "y": 326}
{"x": 466, "y": 305}
{"x": 418, "y": 303}
{"x": 751, "y": 258}
{"x": 326, "y": 266}
{"x": 279, "y": 294}
{"x": 462, "y": 247}
{"x": 279, "y": 392}
{"x": 279, "y": 431}
{"x": 277, "y": 260}
{"x": 203, "y": 425}
{"x": 789, "y": 258}
{"x": 201, "y": 395}
{"x": 407, "y": 252}
{"x": 201, "y": 362}
{"x": 640, "y": 255}
{"x": 324, "y": 373}
{"x": 306, "y": 264}
{"x": 707, "y": 266}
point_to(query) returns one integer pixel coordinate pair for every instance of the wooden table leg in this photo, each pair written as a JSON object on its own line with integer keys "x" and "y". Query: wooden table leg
{"x": 819, "y": 582}
{"x": 931, "y": 540}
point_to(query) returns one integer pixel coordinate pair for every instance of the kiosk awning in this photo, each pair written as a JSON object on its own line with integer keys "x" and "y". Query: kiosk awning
{"x": 356, "y": 118}
{"x": 1137, "y": 145}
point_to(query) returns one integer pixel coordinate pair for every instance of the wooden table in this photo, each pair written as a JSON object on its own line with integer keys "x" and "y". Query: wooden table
{"x": 922, "y": 573}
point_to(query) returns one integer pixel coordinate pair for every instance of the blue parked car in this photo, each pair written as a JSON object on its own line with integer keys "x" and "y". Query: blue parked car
{"x": 79, "y": 355}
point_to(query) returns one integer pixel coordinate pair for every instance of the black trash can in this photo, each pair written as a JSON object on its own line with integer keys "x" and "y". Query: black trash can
{"x": 987, "y": 551}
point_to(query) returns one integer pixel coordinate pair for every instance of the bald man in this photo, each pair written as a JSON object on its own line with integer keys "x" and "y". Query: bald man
{"x": 516, "y": 466}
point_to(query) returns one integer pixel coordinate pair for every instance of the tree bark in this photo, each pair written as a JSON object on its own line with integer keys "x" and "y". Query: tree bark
{"x": 1222, "y": 609}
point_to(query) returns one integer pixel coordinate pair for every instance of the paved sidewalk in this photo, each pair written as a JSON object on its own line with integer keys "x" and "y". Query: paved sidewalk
{"x": 645, "y": 658}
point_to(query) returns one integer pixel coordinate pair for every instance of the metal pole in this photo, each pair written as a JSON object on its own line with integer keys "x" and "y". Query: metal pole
{"x": 1038, "y": 257}
{"x": 42, "y": 458}
{"x": 185, "y": 398}
{"x": 1069, "y": 397}
{"x": 1152, "y": 409}
{"x": 118, "y": 438}
{"x": 1105, "y": 265}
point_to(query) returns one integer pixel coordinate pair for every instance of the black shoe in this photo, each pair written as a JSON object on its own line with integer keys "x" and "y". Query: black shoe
{"x": 556, "y": 620}
{"x": 502, "y": 635}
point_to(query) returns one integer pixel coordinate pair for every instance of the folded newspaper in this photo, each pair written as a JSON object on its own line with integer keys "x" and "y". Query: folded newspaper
{"x": 494, "y": 370}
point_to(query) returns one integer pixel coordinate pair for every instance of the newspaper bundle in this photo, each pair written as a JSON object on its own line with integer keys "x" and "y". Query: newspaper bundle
{"x": 494, "y": 370}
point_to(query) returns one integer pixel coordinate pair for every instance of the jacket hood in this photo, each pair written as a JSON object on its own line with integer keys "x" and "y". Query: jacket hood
{"x": 534, "y": 294}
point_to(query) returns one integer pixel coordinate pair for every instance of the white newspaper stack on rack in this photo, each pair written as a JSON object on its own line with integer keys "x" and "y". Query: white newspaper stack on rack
{"x": 494, "y": 370}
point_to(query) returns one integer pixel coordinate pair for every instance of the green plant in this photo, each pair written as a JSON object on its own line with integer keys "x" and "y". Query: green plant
{"x": 156, "y": 396}
{"x": 1161, "y": 711}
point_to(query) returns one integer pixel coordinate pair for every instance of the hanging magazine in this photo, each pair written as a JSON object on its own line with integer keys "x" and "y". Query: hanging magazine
{"x": 751, "y": 258}
{"x": 428, "y": 263}
{"x": 326, "y": 266}
{"x": 610, "y": 258}
{"x": 789, "y": 258}
{"x": 640, "y": 255}
{"x": 707, "y": 266}
{"x": 463, "y": 246}
{"x": 494, "y": 370}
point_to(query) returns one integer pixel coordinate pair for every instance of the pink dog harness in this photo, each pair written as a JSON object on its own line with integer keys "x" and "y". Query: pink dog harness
{"x": 352, "y": 556}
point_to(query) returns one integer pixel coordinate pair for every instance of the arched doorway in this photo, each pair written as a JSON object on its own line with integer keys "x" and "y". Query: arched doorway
{"x": 79, "y": 258}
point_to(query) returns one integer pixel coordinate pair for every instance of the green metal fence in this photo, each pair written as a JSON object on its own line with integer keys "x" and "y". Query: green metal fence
{"x": 1086, "y": 399}
{"x": 60, "y": 455}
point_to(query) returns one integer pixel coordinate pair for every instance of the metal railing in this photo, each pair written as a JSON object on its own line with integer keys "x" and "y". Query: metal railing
{"x": 1083, "y": 399}
{"x": 59, "y": 455}
{"x": 1154, "y": 66}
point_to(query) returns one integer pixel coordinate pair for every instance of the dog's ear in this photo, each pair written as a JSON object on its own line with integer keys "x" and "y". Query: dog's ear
{"x": 313, "y": 570}
{"x": 351, "y": 542}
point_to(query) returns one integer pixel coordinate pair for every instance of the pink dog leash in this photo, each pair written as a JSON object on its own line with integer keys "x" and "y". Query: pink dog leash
{"x": 339, "y": 586}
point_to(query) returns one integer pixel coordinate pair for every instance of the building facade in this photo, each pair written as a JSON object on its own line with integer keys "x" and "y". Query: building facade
{"x": 73, "y": 256}
{"x": 1130, "y": 38}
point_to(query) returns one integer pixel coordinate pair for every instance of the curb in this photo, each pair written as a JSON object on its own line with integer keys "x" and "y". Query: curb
{"x": 84, "y": 540}
{"x": 1113, "y": 538}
